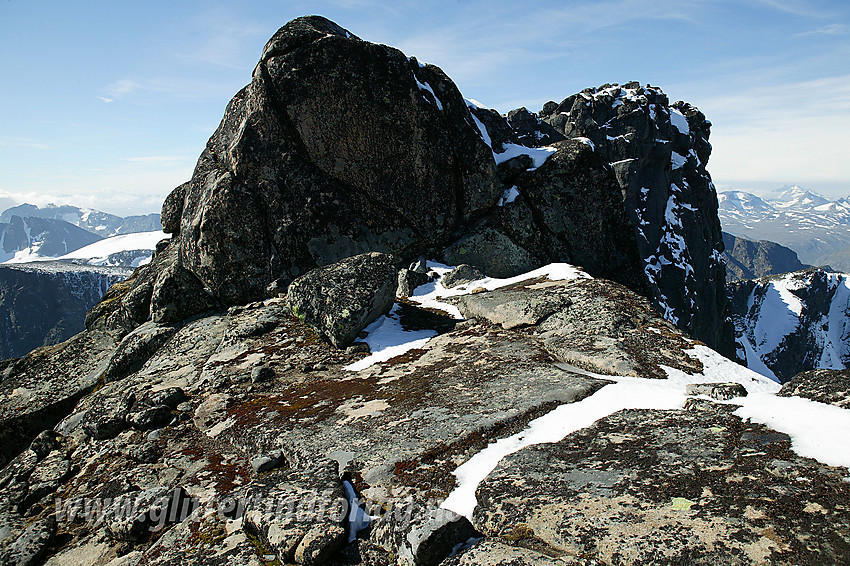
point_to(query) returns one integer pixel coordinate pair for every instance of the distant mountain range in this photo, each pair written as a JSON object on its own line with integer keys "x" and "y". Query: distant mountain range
{"x": 101, "y": 223}
{"x": 29, "y": 233}
{"x": 812, "y": 225}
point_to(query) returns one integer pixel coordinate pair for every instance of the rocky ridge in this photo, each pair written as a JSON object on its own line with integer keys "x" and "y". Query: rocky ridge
{"x": 456, "y": 183}
{"x": 746, "y": 259}
{"x": 190, "y": 423}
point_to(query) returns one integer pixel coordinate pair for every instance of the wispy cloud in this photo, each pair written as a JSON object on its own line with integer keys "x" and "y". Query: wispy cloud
{"x": 796, "y": 7}
{"x": 121, "y": 88}
{"x": 162, "y": 160}
{"x": 22, "y": 143}
{"x": 831, "y": 29}
{"x": 105, "y": 99}
{"x": 180, "y": 87}
{"x": 763, "y": 131}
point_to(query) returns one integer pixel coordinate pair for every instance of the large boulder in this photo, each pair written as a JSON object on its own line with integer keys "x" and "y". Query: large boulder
{"x": 337, "y": 147}
{"x": 340, "y": 300}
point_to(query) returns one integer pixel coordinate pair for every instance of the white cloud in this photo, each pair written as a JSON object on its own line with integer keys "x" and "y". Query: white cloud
{"x": 104, "y": 99}
{"x": 122, "y": 88}
{"x": 772, "y": 131}
{"x": 831, "y": 29}
{"x": 22, "y": 143}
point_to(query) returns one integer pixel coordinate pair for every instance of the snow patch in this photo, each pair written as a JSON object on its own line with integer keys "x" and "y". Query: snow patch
{"x": 679, "y": 121}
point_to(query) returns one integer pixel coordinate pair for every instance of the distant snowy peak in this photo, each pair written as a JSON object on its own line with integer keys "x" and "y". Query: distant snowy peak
{"x": 794, "y": 322}
{"x": 101, "y": 223}
{"x": 22, "y": 238}
{"x": 797, "y": 198}
{"x": 817, "y": 228}
{"x": 126, "y": 250}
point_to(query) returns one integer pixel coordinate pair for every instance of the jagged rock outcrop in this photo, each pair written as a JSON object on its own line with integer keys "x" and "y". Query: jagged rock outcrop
{"x": 42, "y": 304}
{"x": 310, "y": 165}
{"x": 746, "y": 259}
{"x": 787, "y": 324}
{"x": 658, "y": 152}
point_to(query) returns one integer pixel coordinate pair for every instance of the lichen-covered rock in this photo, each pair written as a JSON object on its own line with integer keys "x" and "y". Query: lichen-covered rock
{"x": 30, "y": 546}
{"x": 135, "y": 349}
{"x": 422, "y": 536}
{"x": 719, "y": 391}
{"x": 697, "y": 486}
{"x": 461, "y": 275}
{"x": 178, "y": 294}
{"x": 409, "y": 280}
{"x": 108, "y": 417}
{"x": 172, "y": 209}
{"x": 41, "y": 388}
{"x": 515, "y": 308}
{"x": 340, "y": 300}
{"x": 495, "y": 553}
{"x": 299, "y": 513}
{"x": 822, "y": 385}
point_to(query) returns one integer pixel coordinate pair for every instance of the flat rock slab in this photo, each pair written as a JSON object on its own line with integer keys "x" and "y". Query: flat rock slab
{"x": 38, "y": 390}
{"x": 695, "y": 486}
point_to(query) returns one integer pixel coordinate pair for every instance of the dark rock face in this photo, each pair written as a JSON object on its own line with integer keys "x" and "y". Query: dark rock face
{"x": 579, "y": 216}
{"x": 42, "y": 304}
{"x": 746, "y": 259}
{"x": 821, "y": 385}
{"x": 312, "y": 161}
{"x": 658, "y": 152}
{"x": 787, "y": 324}
{"x": 340, "y": 300}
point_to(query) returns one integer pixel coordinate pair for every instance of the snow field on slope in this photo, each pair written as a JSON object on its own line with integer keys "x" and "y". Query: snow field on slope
{"x": 116, "y": 244}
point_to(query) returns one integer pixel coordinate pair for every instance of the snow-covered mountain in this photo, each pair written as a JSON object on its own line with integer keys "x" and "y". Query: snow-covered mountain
{"x": 794, "y": 322}
{"x": 32, "y": 237}
{"x": 817, "y": 228}
{"x": 29, "y": 233}
{"x": 127, "y": 250}
{"x": 101, "y": 223}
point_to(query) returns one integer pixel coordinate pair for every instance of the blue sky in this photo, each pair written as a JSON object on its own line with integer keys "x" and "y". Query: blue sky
{"x": 109, "y": 104}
